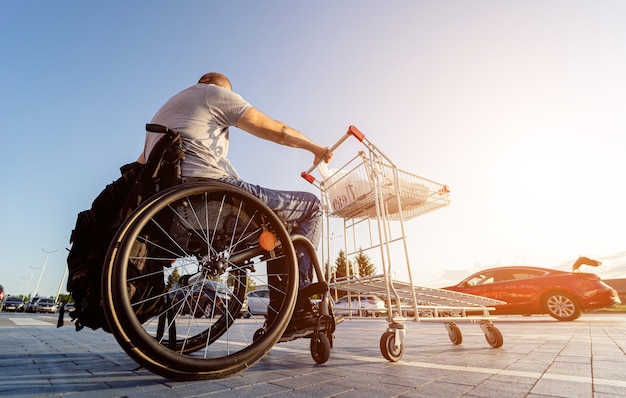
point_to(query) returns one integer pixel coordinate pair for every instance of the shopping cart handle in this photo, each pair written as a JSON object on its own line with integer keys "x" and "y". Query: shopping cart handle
{"x": 352, "y": 131}
{"x": 307, "y": 177}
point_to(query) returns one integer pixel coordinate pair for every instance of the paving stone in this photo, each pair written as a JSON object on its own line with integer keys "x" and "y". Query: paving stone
{"x": 540, "y": 357}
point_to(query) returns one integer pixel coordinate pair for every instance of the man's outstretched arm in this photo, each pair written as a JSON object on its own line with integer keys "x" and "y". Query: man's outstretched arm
{"x": 260, "y": 125}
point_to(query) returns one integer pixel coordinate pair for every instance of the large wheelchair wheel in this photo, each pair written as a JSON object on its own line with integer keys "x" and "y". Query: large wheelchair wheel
{"x": 177, "y": 274}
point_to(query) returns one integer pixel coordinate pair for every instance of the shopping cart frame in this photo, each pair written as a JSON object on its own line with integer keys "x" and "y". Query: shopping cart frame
{"x": 370, "y": 192}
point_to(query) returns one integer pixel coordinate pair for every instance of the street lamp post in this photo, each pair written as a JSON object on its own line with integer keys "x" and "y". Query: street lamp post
{"x": 60, "y": 286}
{"x": 330, "y": 257}
{"x": 23, "y": 292}
{"x": 43, "y": 268}
{"x": 30, "y": 280}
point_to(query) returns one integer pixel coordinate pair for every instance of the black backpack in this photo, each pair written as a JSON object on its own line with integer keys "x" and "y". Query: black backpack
{"x": 96, "y": 227}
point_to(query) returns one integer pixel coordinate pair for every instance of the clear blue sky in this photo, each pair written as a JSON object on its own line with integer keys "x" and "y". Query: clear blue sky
{"x": 517, "y": 106}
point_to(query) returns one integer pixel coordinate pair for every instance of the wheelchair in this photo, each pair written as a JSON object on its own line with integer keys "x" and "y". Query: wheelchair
{"x": 176, "y": 276}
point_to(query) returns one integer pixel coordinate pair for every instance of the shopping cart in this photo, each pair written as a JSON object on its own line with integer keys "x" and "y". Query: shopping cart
{"x": 374, "y": 199}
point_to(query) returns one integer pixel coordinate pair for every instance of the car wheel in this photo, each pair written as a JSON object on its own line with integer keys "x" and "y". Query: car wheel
{"x": 199, "y": 311}
{"x": 562, "y": 306}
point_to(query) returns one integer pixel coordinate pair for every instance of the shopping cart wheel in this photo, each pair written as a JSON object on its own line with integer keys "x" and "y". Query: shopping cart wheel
{"x": 320, "y": 348}
{"x": 454, "y": 333}
{"x": 388, "y": 347}
{"x": 493, "y": 336}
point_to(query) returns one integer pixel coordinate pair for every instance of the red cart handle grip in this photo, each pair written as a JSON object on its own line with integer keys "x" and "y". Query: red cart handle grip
{"x": 352, "y": 131}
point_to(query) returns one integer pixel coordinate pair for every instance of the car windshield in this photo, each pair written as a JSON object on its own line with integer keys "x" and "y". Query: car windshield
{"x": 502, "y": 275}
{"x": 481, "y": 279}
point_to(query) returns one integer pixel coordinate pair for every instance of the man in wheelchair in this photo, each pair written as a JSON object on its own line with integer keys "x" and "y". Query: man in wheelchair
{"x": 202, "y": 114}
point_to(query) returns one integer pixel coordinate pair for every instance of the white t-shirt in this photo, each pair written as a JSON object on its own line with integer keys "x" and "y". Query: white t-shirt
{"x": 202, "y": 114}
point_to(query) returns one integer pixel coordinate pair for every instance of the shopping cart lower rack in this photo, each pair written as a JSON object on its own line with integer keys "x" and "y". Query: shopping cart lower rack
{"x": 424, "y": 304}
{"x": 374, "y": 199}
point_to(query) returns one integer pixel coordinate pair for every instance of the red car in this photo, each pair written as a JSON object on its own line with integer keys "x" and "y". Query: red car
{"x": 533, "y": 290}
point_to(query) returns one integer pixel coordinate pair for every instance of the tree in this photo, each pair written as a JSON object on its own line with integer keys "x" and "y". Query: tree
{"x": 341, "y": 265}
{"x": 230, "y": 282}
{"x": 172, "y": 279}
{"x": 339, "y": 271}
{"x": 65, "y": 298}
{"x": 364, "y": 264}
{"x": 361, "y": 260}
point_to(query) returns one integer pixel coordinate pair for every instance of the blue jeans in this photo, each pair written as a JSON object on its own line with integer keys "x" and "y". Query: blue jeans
{"x": 302, "y": 209}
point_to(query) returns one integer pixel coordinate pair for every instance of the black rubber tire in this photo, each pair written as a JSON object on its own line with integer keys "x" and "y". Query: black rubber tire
{"x": 258, "y": 334}
{"x": 455, "y": 335}
{"x": 387, "y": 342}
{"x": 562, "y": 306}
{"x": 320, "y": 348}
{"x": 205, "y": 232}
{"x": 494, "y": 336}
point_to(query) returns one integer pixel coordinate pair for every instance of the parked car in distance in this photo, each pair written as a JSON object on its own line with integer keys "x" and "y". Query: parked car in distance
{"x": 30, "y": 306}
{"x": 14, "y": 304}
{"x": 244, "y": 308}
{"x": 406, "y": 308}
{"x": 46, "y": 305}
{"x": 355, "y": 304}
{"x": 258, "y": 302}
{"x": 527, "y": 290}
{"x": 70, "y": 308}
{"x": 210, "y": 301}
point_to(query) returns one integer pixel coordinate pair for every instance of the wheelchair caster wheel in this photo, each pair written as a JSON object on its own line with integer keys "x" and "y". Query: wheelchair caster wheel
{"x": 320, "y": 348}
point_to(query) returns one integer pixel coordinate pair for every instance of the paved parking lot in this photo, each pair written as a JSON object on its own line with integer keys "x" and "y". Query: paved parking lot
{"x": 540, "y": 358}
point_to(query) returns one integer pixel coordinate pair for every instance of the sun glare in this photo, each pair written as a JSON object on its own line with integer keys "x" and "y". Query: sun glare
{"x": 541, "y": 178}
